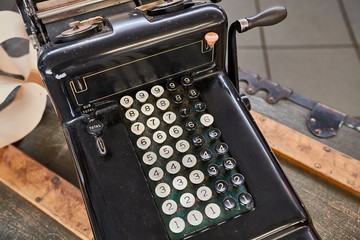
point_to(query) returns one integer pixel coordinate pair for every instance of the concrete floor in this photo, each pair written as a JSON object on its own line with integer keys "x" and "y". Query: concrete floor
{"x": 315, "y": 51}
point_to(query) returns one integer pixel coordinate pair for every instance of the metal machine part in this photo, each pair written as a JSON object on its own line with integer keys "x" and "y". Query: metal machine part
{"x": 45, "y": 21}
{"x": 88, "y": 76}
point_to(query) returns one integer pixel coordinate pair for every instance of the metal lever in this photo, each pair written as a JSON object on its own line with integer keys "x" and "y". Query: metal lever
{"x": 267, "y": 17}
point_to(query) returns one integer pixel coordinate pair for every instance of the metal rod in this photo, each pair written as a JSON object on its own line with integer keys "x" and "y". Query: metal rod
{"x": 60, "y": 10}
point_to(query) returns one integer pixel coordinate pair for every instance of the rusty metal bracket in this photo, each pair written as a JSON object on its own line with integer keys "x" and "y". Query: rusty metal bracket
{"x": 323, "y": 121}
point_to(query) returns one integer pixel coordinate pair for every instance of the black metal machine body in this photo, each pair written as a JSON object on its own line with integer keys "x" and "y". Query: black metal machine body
{"x": 101, "y": 73}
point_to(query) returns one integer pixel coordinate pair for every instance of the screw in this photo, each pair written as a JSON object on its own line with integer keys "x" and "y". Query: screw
{"x": 74, "y": 25}
{"x": 250, "y": 90}
{"x": 270, "y": 99}
{"x": 55, "y": 180}
{"x": 317, "y": 165}
{"x": 312, "y": 120}
{"x": 38, "y": 199}
{"x": 318, "y": 131}
{"x": 327, "y": 149}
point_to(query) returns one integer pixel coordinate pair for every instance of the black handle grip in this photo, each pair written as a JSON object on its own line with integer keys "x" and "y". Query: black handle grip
{"x": 268, "y": 17}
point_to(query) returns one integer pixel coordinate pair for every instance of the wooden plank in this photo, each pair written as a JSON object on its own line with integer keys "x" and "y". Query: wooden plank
{"x": 310, "y": 154}
{"x": 19, "y": 219}
{"x": 294, "y": 117}
{"x": 334, "y": 211}
{"x": 46, "y": 190}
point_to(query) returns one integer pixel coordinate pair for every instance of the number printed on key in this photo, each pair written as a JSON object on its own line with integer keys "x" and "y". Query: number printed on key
{"x": 188, "y": 165}
{"x": 143, "y": 143}
{"x": 132, "y": 114}
{"x": 189, "y": 160}
{"x": 126, "y": 101}
{"x": 157, "y": 90}
{"x": 212, "y": 210}
{"x": 182, "y": 146}
{"x": 173, "y": 167}
{"x": 149, "y": 158}
{"x": 156, "y": 174}
{"x": 169, "y": 207}
{"x": 196, "y": 177}
{"x": 166, "y": 151}
{"x": 206, "y": 119}
{"x": 162, "y": 190}
{"x": 163, "y": 104}
{"x": 142, "y": 96}
{"x": 177, "y": 225}
{"x": 147, "y": 109}
{"x": 176, "y": 131}
{"x": 204, "y": 193}
{"x": 169, "y": 117}
{"x": 138, "y": 128}
{"x": 187, "y": 200}
{"x": 180, "y": 183}
{"x": 153, "y": 123}
{"x": 195, "y": 217}
{"x": 159, "y": 136}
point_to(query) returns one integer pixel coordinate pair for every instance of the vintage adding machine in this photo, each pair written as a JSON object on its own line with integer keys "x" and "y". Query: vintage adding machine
{"x": 163, "y": 144}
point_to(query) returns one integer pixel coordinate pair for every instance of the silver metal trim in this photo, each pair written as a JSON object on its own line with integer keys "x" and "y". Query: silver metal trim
{"x": 244, "y": 24}
{"x": 70, "y": 7}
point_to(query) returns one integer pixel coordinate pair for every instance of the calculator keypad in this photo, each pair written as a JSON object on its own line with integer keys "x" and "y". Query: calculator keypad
{"x": 194, "y": 179}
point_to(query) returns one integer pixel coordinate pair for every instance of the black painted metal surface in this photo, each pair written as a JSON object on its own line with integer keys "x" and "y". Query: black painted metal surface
{"x": 116, "y": 194}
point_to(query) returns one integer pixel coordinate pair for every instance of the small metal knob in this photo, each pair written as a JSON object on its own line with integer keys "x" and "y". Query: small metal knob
{"x": 245, "y": 101}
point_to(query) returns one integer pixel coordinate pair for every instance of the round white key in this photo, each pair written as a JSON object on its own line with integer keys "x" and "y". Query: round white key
{"x": 143, "y": 143}
{"x": 173, "y": 167}
{"x": 206, "y": 119}
{"x": 196, "y": 177}
{"x": 147, "y": 109}
{"x": 189, "y": 160}
{"x": 126, "y": 101}
{"x": 195, "y": 217}
{"x": 182, "y": 146}
{"x": 138, "y": 128}
{"x": 176, "y": 131}
{"x": 157, "y": 90}
{"x": 212, "y": 210}
{"x": 177, "y": 225}
{"x": 159, "y": 136}
{"x": 169, "y": 117}
{"x": 132, "y": 114}
{"x": 187, "y": 200}
{"x": 166, "y": 151}
{"x": 204, "y": 193}
{"x": 153, "y": 123}
{"x": 169, "y": 207}
{"x": 156, "y": 174}
{"x": 142, "y": 96}
{"x": 162, "y": 190}
{"x": 149, "y": 158}
{"x": 180, "y": 183}
{"x": 163, "y": 104}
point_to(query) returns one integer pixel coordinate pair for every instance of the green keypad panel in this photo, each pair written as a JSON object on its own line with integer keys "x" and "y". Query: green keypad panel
{"x": 194, "y": 180}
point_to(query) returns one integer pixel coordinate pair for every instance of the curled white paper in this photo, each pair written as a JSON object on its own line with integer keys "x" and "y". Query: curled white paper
{"x": 24, "y": 113}
{"x": 25, "y": 110}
